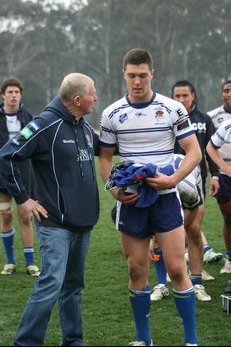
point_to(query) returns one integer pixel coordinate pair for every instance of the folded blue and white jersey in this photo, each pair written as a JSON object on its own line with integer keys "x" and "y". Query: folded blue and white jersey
{"x": 190, "y": 188}
{"x": 128, "y": 174}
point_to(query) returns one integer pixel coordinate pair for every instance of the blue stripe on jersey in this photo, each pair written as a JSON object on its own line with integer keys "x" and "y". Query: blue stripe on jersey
{"x": 142, "y": 130}
{"x": 117, "y": 110}
{"x": 220, "y": 137}
{"x": 185, "y": 135}
{"x": 134, "y": 154}
{"x": 104, "y": 144}
{"x": 107, "y": 130}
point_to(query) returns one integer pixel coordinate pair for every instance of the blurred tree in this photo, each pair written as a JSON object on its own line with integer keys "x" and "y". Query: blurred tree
{"x": 44, "y": 40}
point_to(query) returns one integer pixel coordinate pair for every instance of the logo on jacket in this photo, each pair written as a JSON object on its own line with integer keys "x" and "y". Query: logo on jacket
{"x": 26, "y": 132}
{"x": 83, "y": 155}
{"x": 68, "y": 141}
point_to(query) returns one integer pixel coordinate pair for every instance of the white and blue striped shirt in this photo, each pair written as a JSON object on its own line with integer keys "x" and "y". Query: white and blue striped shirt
{"x": 145, "y": 133}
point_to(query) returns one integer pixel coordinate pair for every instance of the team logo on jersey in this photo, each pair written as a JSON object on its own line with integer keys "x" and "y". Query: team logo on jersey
{"x": 220, "y": 120}
{"x": 123, "y": 118}
{"x": 159, "y": 114}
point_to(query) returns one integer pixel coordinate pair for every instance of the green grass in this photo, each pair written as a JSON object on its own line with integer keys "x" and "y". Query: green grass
{"x": 107, "y": 315}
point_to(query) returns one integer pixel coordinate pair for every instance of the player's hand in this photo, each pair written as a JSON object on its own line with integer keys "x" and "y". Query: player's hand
{"x": 125, "y": 198}
{"x": 214, "y": 186}
{"x": 160, "y": 181}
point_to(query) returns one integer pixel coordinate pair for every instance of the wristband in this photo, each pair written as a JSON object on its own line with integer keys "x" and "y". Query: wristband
{"x": 215, "y": 177}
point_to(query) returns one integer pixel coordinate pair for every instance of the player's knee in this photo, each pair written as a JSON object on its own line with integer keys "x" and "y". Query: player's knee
{"x": 194, "y": 234}
{"x": 135, "y": 273}
{"x": 176, "y": 274}
{"x": 25, "y": 221}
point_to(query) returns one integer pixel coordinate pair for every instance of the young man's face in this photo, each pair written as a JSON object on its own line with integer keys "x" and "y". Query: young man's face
{"x": 226, "y": 95}
{"x": 12, "y": 97}
{"x": 185, "y": 96}
{"x": 138, "y": 79}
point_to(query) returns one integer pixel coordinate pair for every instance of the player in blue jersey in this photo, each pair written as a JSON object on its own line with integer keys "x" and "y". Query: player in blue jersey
{"x": 144, "y": 126}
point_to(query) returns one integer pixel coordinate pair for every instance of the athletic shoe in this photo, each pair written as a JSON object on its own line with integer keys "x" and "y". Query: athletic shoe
{"x": 201, "y": 294}
{"x": 33, "y": 270}
{"x": 191, "y": 344}
{"x": 210, "y": 256}
{"x": 139, "y": 343}
{"x": 226, "y": 268}
{"x": 8, "y": 269}
{"x": 206, "y": 276}
{"x": 159, "y": 292}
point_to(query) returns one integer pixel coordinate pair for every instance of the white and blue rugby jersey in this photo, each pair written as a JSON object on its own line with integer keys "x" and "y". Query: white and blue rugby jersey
{"x": 223, "y": 136}
{"x": 219, "y": 115}
{"x": 145, "y": 133}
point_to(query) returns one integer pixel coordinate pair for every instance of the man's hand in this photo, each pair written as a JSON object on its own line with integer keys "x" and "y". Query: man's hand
{"x": 33, "y": 209}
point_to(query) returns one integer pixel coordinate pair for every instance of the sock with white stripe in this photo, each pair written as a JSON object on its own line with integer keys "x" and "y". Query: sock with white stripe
{"x": 8, "y": 242}
{"x": 29, "y": 255}
{"x": 185, "y": 303}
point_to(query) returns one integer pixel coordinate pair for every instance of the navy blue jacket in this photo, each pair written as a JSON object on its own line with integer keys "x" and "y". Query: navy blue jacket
{"x": 62, "y": 153}
{"x": 204, "y": 129}
{"x": 24, "y": 117}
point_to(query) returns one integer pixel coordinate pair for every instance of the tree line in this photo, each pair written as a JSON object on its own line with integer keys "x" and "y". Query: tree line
{"x": 40, "y": 43}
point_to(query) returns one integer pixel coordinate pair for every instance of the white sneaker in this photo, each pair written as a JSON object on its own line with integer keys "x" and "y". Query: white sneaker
{"x": 159, "y": 292}
{"x": 201, "y": 294}
{"x": 226, "y": 268}
{"x": 191, "y": 344}
{"x": 139, "y": 343}
{"x": 211, "y": 256}
{"x": 206, "y": 276}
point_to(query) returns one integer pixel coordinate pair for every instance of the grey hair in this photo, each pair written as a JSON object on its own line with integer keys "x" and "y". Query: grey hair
{"x": 72, "y": 85}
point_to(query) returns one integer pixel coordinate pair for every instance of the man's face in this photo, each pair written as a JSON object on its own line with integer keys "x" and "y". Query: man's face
{"x": 138, "y": 79}
{"x": 185, "y": 96}
{"x": 12, "y": 97}
{"x": 87, "y": 100}
{"x": 226, "y": 95}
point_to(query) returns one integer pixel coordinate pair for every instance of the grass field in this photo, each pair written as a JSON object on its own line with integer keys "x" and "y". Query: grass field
{"x": 106, "y": 310}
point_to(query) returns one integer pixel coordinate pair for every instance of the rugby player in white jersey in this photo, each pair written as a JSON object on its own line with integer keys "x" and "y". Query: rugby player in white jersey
{"x": 192, "y": 197}
{"x": 144, "y": 126}
{"x": 219, "y": 115}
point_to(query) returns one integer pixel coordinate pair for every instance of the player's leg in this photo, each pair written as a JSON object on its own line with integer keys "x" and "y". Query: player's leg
{"x": 173, "y": 246}
{"x": 226, "y": 213}
{"x": 27, "y": 237}
{"x": 7, "y": 232}
{"x": 193, "y": 220}
{"x": 160, "y": 290}
{"x": 136, "y": 251}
